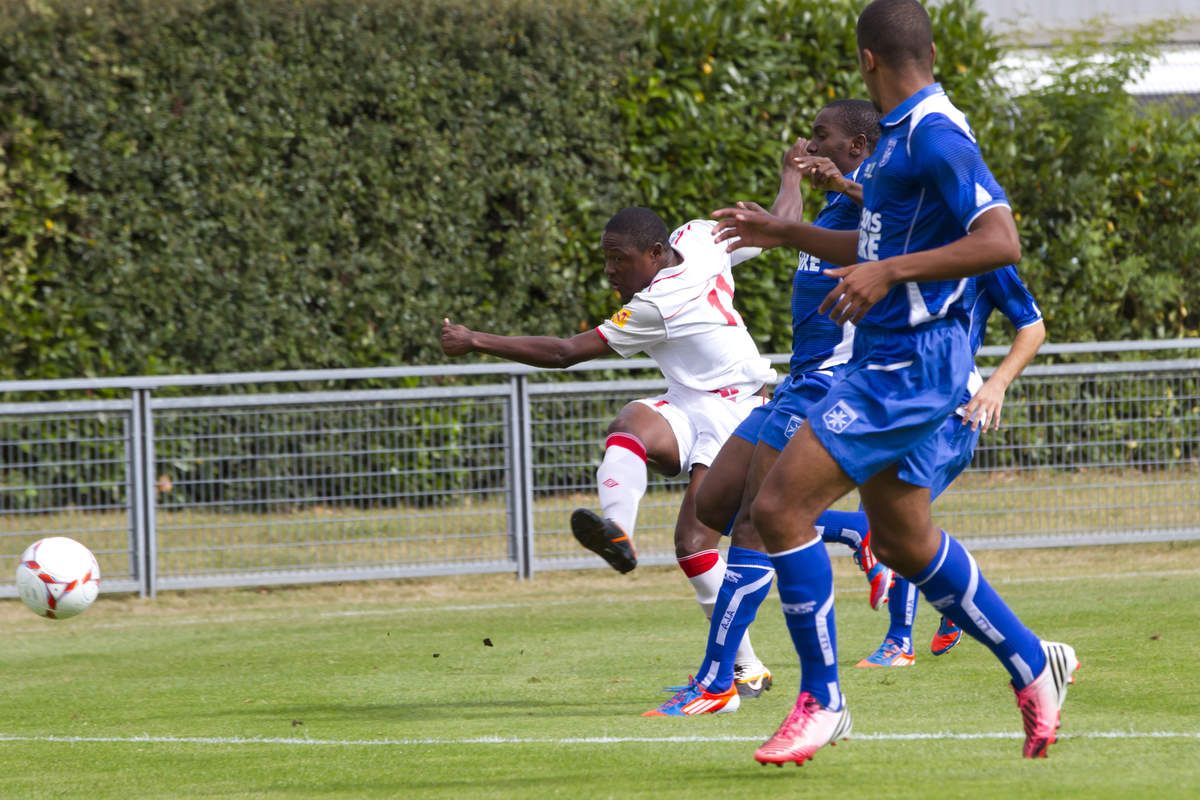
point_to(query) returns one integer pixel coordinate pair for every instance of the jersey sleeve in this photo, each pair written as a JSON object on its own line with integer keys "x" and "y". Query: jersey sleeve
{"x": 1009, "y": 294}
{"x": 635, "y": 327}
{"x": 948, "y": 158}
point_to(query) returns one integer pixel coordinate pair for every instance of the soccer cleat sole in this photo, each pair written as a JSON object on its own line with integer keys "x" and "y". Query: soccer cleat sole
{"x": 592, "y": 532}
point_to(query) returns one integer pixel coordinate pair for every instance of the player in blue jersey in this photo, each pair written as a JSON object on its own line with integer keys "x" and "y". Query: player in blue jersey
{"x": 933, "y": 215}
{"x": 844, "y": 134}
{"x": 1001, "y": 289}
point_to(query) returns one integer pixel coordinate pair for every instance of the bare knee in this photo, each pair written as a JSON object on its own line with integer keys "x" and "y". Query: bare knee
{"x": 693, "y": 537}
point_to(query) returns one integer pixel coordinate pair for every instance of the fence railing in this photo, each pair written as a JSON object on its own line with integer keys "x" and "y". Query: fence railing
{"x": 258, "y": 478}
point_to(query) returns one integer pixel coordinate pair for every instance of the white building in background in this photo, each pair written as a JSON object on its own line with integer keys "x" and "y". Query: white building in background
{"x": 1033, "y": 25}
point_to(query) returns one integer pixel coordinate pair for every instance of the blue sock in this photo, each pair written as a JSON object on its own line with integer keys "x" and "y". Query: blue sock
{"x": 902, "y": 608}
{"x": 748, "y": 575}
{"x": 806, "y": 592}
{"x": 846, "y": 527}
{"x": 953, "y": 584}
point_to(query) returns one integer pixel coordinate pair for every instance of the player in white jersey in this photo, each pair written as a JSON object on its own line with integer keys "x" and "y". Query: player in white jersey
{"x": 678, "y": 294}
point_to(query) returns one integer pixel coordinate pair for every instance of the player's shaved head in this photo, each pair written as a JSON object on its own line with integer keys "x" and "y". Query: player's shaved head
{"x": 898, "y": 32}
{"x": 641, "y": 226}
{"x": 857, "y": 117}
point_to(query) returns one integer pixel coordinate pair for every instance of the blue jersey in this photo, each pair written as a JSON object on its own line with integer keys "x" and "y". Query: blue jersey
{"x": 817, "y": 342}
{"x": 923, "y": 187}
{"x": 1003, "y": 289}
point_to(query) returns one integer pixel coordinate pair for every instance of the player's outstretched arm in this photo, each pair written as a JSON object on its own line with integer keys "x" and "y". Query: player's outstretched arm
{"x": 991, "y": 243}
{"x": 537, "y": 351}
{"x": 988, "y": 401}
{"x": 750, "y": 225}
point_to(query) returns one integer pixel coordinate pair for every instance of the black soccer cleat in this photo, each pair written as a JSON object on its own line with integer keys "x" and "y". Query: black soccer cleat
{"x": 605, "y": 539}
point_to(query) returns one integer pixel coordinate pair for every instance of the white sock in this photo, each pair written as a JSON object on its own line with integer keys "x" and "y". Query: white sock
{"x": 621, "y": 479}
{"x": 745, "y": 652}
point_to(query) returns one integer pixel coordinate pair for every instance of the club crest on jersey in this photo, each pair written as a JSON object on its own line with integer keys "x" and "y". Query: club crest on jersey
{"x": 887, "y": 152}
{"x": 838, "y": 418}
{"x": 793, "y": 425}
{"x": 620, "y": 318}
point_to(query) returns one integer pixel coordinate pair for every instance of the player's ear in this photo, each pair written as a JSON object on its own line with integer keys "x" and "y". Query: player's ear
{"x": 866, "y": 60}
{"x": 858, "y": 144}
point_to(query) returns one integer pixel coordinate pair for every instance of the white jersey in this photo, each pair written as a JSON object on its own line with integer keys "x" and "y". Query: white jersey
{"x": 686, "y": 322}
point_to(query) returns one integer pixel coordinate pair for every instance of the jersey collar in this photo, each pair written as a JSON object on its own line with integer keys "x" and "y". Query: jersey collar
{"x": 901, "y": 112}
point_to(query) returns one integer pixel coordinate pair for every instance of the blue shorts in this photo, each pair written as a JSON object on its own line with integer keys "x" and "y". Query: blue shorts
{"x": 950, "y": 449}
{"x": 775, "y": 423}
{"x": 897, "y": 390}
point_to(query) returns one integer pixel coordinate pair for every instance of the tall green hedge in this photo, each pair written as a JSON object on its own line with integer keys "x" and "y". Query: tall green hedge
{"x": 219, "y": 185}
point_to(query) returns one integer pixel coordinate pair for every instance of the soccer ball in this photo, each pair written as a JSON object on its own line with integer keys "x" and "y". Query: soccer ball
{"x": 58, "y": 577}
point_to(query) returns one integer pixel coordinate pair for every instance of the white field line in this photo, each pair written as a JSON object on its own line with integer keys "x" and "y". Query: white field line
{"x": 518, "y": 740}
{"x": 842, "y": 586}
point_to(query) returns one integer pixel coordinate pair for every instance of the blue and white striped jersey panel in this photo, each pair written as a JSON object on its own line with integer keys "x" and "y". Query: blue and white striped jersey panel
{"x": 923, "y": 188}
{"x": 818, "y": 342}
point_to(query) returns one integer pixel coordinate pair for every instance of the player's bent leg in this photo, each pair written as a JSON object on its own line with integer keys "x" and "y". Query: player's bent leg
{"x": 637, "y": 439}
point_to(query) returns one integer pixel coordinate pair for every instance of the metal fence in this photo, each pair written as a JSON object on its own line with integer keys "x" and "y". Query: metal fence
{"x": 259, "y": 478}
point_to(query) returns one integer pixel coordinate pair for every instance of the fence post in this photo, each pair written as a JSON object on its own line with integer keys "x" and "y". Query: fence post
{"x": 526, "y": 485}
{"x": 137, "y": 493}
{"x": 142, "y": 461}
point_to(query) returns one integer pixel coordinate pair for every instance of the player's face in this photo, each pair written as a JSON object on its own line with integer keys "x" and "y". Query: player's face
{"x": 628, "y": 269}
{"x": 831, "y": 140}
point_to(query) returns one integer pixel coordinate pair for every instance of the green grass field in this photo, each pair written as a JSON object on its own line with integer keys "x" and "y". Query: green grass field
{"x": 388, "y": 690}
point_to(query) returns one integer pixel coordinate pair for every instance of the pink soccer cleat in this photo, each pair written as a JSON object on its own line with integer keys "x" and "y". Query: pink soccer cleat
{"x": 809, "y": 727}
{"x": 1042, "y": 700}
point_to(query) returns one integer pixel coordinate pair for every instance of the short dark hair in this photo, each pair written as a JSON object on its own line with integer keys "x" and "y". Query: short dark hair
{"x": 897, "y": 31}
{"x": 858, "y": 116}
{"x": 643, "y": 227}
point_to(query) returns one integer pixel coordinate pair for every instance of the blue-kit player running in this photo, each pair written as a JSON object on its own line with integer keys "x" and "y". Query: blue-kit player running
{"x": 844, "y": 133}
{"x": 1001, "y": 289}
{"x": 933, "y": 215}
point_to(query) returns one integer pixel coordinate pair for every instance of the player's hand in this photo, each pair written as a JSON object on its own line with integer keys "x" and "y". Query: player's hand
{"x": 862, "y": 285}
{"x": 794, "y": 153}
{"x": 456, "y": 339}
{"x": 983, "y": 411}
{"x": 747, "y": 225}
{"x": 821, "y": 172}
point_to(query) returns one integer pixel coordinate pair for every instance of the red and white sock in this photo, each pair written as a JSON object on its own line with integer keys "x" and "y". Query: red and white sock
{"x": 705, "y": 571}
{"x": 621, "y": 479}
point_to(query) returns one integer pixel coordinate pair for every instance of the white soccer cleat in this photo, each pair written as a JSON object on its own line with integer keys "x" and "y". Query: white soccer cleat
{"x": 809, "y": 727}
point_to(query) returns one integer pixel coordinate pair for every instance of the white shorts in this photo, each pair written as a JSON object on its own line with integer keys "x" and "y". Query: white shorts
{"x": 702, "y": 421}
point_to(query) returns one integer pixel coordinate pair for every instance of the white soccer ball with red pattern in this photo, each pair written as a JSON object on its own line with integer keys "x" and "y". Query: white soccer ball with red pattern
{"x": 58, "y": 577}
